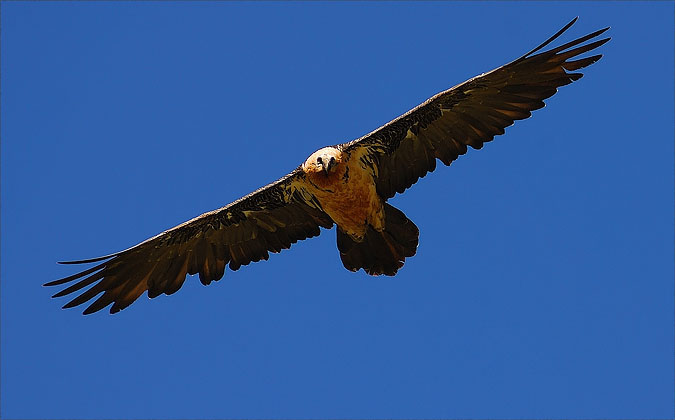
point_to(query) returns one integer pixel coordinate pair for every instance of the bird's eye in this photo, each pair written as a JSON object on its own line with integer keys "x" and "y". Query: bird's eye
{"x": 319, "y": 160}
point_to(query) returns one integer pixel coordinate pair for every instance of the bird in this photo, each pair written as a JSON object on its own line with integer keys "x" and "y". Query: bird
{"x": 346, "y": 185}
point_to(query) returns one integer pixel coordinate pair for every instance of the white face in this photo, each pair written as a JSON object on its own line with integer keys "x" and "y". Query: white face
{"x": 322, "y": 160}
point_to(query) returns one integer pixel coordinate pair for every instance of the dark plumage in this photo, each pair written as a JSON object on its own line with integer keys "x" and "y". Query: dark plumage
{"x": 346, "y": 184}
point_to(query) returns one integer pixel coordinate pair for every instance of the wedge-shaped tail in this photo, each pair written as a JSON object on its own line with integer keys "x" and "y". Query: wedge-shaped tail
{"x": 381, "y": 252}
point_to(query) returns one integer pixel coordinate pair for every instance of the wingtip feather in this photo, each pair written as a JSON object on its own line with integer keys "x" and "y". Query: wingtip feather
{"x": 59, "y": 294}
{"x": 89, "y": 311}
{"x": 89, "y": 260}
{"x": 70, "y": 304}
{"x": 551, "y": 39}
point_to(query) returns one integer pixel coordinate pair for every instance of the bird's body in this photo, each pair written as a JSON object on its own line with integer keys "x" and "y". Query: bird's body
{"x": 347, "y": 191}
{"x": 347, "y": 185}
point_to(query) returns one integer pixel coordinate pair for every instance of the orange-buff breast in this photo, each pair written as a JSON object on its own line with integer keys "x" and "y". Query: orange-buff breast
{"x": 347, "y": 194}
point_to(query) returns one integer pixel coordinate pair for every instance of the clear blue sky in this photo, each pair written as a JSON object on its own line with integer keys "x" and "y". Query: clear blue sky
{"x": 543, "y": 283}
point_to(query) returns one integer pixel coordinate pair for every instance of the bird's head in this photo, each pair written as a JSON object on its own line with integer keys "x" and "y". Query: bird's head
{"x": 323, "y": 161}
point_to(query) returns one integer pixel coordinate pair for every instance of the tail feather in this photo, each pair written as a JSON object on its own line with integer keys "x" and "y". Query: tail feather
{"x": 380, "y": 252}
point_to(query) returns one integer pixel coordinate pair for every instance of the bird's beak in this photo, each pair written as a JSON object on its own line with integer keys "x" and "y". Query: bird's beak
{"x": 328, "y": 165}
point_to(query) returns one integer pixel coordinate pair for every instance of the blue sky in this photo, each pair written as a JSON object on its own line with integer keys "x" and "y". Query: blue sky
{"x": 543, "y": 282}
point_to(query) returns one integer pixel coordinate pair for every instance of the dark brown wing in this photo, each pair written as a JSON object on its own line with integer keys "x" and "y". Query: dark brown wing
{"x": 269, "y": 219}
{"x": 470, "y": 114}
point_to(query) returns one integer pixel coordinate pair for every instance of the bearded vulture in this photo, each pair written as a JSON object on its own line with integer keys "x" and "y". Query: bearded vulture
{"x": 347, "y": 185}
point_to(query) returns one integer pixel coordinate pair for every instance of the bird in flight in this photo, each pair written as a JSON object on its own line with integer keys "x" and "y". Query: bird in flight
{"x": 347, "y": 185}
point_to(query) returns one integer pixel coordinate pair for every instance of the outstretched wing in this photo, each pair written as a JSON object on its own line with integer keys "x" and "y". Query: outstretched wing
{"x": 470, "y": 113}
{"x": 269, "y": 219}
